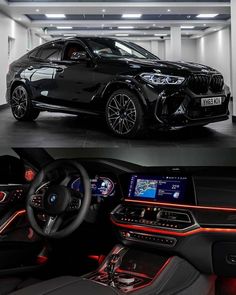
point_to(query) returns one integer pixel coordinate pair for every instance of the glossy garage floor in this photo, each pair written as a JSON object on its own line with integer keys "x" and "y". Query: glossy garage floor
{"x": 59, "y": 130}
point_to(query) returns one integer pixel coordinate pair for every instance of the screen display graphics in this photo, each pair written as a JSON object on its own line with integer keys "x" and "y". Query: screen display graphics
{"x": 158, "y": 188}
{"x": 100, "y": 186}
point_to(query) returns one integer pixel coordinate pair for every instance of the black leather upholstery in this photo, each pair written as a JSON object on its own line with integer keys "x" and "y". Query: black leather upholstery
{"x": 67, "y": 286}
{"x": 8, "y": 285}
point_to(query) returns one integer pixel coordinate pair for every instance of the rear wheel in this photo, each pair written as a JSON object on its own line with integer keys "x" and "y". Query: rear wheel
{"x": 124, "y": 114}
{"x": 21, "y": 105}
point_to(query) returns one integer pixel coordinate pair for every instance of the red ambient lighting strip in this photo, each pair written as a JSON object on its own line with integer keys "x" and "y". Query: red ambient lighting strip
{"x": 175, "y": 233}
{"x": 182, "y": 205}
{"x": 11, "y": 219}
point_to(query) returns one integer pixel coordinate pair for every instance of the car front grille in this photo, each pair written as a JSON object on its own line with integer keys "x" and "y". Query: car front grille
{"x": 217, "y": 83}
{"x": 201, "y": 84}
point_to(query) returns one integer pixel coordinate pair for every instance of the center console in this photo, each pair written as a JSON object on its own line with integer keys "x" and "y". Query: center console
{"x": 146, "y": 215}
{"x": 157, "y": 212}
{"x": 129, "y": 270}
{"x": 151, "y": 220}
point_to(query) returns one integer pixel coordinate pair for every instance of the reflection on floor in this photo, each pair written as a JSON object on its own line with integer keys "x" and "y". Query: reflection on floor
{"x": 59, "y": 130}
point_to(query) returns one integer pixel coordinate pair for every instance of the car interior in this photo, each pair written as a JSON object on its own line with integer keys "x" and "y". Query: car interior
{"x": 108, "y": 226}
{"x": 72, "y": 50}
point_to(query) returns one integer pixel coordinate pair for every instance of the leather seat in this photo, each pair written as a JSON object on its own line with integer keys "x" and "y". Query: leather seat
{"x": 67, "y": 285}
{"x": 8, "y": 285}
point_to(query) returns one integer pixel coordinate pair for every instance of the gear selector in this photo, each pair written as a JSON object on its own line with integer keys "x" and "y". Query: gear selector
{"x": 114, "y": 262}
{"x": 128, "y": 269}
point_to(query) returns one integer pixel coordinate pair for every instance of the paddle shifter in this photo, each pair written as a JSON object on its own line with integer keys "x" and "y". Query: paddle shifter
{"x": 113, "y": 263}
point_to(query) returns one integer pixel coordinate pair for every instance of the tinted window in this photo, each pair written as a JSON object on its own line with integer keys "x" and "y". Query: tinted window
{"x": 34, "y": 53}
{"x": 110, "y": 48}
{"x": 72, "y": 48}
{"x": 51, "y": 52}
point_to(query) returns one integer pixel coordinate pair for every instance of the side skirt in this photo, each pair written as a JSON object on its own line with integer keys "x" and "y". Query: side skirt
{"x": 62, "y": 109}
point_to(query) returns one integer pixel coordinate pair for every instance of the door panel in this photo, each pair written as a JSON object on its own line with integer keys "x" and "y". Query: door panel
{"x": 76, "y": 85}
{"x": 19, "y": 245}
{"x": 42, "y": 80}
{"x": 42, "y": 70}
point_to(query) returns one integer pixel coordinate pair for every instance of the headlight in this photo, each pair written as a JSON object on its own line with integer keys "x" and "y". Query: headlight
{"x": 160, "y": 79}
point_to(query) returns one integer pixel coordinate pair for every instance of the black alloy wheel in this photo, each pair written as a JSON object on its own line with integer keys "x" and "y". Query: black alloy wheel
{"x": 124, "y": 114}
{"x": 21, "y": 106}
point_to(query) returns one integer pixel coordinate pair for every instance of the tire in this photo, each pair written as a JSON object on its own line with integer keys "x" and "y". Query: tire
{"x": 21, "y": 105}
{"x": 124, "y": 114}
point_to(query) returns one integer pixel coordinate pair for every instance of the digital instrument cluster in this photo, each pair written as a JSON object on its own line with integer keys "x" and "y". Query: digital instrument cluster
{"x": 101, "y": 186}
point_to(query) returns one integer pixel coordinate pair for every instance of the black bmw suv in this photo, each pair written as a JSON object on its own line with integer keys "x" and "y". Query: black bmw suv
{"x": 118, "y": 80}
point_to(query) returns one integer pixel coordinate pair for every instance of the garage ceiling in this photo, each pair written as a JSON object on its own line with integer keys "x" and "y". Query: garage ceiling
{"x": 117, "y": 1}
{"x": 107, "y": 17}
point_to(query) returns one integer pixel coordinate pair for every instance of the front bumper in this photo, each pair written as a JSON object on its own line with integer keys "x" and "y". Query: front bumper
{"x": 182, "y": 109}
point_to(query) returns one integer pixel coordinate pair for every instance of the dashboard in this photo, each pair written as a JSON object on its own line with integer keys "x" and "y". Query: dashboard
{"x": 190, "y": 211}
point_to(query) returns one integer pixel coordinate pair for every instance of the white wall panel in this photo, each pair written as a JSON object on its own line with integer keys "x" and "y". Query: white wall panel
{"x": 189, "y": 50}
{"x": 9, "y": 28}
{"x": 214, "y": 50}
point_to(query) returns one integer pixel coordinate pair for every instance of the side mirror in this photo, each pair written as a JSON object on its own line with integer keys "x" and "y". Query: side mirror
{"x": 79, "y": 56}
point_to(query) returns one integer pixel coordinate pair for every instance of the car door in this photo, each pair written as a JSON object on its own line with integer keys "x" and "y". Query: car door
{"x": 42, "y": 71}
{"x": 76, "y": 85}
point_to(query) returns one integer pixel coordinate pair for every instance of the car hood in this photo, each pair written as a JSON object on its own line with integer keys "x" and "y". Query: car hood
{"x": 169, "y": 67}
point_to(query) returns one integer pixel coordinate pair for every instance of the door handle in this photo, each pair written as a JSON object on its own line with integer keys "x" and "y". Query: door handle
{"x": 30, "y": 68}
{"x": 59, "y": 70}
{"x": 231, "y": 258}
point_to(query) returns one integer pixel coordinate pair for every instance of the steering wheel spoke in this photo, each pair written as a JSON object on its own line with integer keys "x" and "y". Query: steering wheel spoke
{"x": 52, "y": 224}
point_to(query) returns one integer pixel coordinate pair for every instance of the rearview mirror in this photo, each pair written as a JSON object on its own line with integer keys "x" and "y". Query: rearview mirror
{"x": 79, "y": 56}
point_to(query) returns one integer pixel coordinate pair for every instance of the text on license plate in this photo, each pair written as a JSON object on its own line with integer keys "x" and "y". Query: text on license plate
{"x": 211, "y": 101}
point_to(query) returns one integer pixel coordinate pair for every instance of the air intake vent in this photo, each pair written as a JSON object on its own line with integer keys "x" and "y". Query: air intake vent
{"x": 217, "y": 83}
{"x": 199, "y": 83}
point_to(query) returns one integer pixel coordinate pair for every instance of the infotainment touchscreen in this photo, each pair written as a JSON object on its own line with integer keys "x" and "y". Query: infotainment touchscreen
{"x": 159, "y": 188}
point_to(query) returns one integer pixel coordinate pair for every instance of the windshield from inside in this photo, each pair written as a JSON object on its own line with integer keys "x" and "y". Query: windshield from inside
{"x": 111, "y": 48}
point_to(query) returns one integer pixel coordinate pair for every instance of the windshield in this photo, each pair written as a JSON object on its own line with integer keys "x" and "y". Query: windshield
{"x": 110, "y": 48}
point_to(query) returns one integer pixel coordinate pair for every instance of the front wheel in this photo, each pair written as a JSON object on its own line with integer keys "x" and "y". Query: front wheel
{"x": 124, "y": 114}
{"x": 21, "y": 105}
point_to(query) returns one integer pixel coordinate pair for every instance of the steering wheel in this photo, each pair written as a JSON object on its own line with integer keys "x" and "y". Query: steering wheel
{"x": 50, "y": 196}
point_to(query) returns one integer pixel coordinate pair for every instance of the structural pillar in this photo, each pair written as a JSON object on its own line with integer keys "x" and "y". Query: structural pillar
{"x": 175, "y": 43}
{"x": 233, "y": 55}
{"x": 154, "y": 47}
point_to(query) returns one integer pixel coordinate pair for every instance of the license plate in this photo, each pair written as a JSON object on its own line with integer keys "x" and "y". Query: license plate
{"x": 211, "y": 101}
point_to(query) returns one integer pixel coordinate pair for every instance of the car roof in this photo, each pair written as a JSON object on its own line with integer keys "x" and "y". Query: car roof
{"x": 83, "y": 38}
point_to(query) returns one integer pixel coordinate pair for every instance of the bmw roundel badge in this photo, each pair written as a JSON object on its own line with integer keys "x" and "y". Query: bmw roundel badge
{"x": 52, "y": 199}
